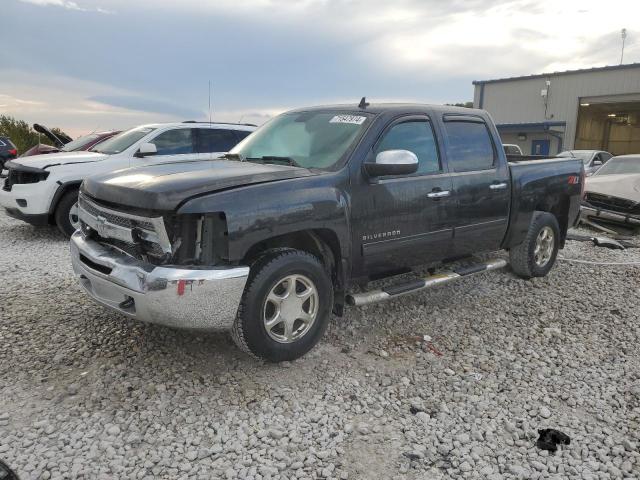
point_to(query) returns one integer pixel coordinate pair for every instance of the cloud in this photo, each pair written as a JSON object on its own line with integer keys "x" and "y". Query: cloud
{"x": 145, "y": 104}
{"x": 264, "y": 56}
{"x": 67, "y": 4}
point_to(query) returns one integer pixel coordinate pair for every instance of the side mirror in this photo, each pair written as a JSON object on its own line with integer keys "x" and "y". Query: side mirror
{"x": 392, "y": 162}
{"x": 146, "y": 149}
{"x": 597, "y": 163}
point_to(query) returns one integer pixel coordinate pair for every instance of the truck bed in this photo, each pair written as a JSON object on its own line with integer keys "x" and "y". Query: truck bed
{"x": 538, "y": 184}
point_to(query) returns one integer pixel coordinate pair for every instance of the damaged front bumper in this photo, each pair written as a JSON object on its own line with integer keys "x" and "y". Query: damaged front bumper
{"x": 172, "y": 296}
{"x": 588, "y": 212}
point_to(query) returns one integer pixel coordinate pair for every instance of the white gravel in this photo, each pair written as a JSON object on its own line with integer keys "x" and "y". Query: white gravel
{"x": 88, "y": 394}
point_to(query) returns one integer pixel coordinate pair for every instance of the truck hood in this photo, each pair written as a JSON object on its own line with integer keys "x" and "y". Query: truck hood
{"x": 165, "y": 186}
{"x": 59, "y": 140}
{"x": 60, "y": 158}
{"x": 622, "y": 186}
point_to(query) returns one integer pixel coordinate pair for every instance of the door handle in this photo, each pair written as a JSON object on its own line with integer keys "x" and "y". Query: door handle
{"x": 439, "y": 194}
{"x": 498, "y": 186}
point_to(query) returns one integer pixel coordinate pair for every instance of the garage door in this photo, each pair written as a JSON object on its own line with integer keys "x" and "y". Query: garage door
{"x": 605, "y": 124}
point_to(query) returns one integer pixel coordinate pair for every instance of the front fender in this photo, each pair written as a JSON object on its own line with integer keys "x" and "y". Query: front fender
{"x": 259, "y": 212}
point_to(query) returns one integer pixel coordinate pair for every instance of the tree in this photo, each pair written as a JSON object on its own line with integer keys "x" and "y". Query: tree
{"x": 21, "y": 134}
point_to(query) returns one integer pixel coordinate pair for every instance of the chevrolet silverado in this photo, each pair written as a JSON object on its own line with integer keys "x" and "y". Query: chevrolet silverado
{"x": 268, "y": 241}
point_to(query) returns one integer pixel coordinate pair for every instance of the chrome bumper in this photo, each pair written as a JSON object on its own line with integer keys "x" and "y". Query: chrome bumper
{"x": 590, "y": 212}
{"x": 171, "y": 296}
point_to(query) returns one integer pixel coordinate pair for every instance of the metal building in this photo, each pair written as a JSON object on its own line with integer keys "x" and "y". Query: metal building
{"x": 595, "y": 108}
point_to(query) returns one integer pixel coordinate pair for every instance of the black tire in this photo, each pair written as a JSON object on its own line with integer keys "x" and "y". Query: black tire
{"x": 249, "y": 331}
{"x": 68, "y": 200}
{"x": 522, "y": 257}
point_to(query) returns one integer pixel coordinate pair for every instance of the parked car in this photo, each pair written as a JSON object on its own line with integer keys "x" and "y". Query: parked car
{"x": 512, "y": 149}
{"x": 85, "y": 142}
{"x": 59, "y": 140}
{"x": 8, "y": 151}
{"x": 592, "y": 159}
{"x": 612, "y": 194}
{"x": 43, "y": 189}
{"x": 267, "y": 241}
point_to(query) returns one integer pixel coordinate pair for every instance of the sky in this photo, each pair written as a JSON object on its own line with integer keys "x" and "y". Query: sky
{"x": 87, "y": 65}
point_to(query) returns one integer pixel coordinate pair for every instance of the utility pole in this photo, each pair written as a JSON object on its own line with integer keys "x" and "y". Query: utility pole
{"x": 623, "y": 34}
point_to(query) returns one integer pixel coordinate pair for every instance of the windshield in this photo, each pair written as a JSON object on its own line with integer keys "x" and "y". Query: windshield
{"x": 620, "y": 165}
{"x": 79, "y": 142}
{"x": 584, "y": 156}
{"x": 316, "y": 139}
{"x": 122, "y": 141}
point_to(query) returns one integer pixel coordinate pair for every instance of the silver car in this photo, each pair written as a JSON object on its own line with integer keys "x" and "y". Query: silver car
{"x": 612, "y": 194}
{"x": 592, "y": 159}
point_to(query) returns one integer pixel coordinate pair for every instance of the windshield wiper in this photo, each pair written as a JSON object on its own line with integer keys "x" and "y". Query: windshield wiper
{"x": 275, "y": 159}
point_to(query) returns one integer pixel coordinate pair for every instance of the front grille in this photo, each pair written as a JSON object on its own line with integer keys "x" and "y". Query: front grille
{"x": 16, "y": 177}
{"x": 130, "y": 249}
{"x": 615, "y": 204}
{"x": 114, "y": 218}
{"x": 139, "y": 237}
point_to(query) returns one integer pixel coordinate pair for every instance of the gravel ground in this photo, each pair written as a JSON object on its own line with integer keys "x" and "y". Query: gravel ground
{"x": 88, "y": 394}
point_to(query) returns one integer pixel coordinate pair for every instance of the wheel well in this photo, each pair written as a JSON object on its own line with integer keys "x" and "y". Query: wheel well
{"x": 60, "y": 192}
{"x": 559, "y": 209}
{"x": 322, "y": 243}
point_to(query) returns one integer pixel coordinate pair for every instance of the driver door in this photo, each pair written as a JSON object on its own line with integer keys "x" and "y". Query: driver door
{"x": 404, "y": 220}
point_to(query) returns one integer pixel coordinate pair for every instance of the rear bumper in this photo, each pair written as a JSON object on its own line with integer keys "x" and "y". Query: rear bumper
{"x": 589, "y": 212}
{"x": 171, "y": 296}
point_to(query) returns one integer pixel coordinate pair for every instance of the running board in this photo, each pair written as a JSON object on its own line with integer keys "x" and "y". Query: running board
{"x": 388, "y": 293}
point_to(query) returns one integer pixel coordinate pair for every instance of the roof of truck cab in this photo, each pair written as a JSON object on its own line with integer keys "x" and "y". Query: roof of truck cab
{"x": 378, "y": 108}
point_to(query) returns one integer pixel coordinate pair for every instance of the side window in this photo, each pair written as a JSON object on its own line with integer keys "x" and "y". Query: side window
{"x": 241, "y": 134}
{"x": 174, "y": 142}
{"x": 605, "y": 156}
{"x": 417, "y": 137}
{"x": 215, "y": 140}
{"x": 469, "y": 146}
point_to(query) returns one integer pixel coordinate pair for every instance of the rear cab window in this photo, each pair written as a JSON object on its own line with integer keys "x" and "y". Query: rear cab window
{"x": 469, "y": 145}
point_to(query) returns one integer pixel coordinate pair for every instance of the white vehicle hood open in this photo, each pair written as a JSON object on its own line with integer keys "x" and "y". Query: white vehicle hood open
{"x": 621, "y": 186}
{"x": 61, "y": 158}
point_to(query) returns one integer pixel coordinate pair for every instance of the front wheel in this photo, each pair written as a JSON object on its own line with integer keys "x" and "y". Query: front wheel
{"x": 66, "y": 214}
{"x": 535, "y": 256}
{"x": 285, "y": 308}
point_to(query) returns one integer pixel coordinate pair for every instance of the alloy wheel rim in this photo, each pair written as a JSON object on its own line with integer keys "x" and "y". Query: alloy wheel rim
{"x": 74, "y": 219}
{"x": 290, "y": 309}
{"x": 544, "y": 247}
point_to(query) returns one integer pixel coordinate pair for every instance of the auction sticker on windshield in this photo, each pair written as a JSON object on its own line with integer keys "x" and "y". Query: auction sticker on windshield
{"x": 355, "y": 119}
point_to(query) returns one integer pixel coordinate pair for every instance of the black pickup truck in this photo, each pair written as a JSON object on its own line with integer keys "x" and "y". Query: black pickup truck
{"x": 268, "y": 241}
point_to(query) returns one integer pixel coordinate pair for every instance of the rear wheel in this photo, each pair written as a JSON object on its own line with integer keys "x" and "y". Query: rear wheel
{"x": 535, "y": 256}
{"x": 66, "y": 214}
{"x": 285, "y": 308}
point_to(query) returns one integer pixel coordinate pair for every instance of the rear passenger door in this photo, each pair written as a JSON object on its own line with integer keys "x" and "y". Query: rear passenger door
{"x": 214, "y": 142}
{"x": 481, "y": 184}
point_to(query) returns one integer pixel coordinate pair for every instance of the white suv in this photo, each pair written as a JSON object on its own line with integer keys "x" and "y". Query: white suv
{"x": 43, "y": 189}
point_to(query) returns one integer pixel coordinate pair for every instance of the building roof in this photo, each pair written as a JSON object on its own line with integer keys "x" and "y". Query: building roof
{"x": 566, "y": 72}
